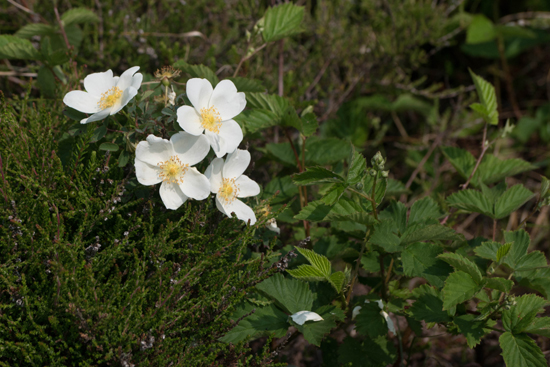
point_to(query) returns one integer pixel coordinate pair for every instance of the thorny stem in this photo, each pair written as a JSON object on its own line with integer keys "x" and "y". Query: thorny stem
{"x": 484, "y": 148}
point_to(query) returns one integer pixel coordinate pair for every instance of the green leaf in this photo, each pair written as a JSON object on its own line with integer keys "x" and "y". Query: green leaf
{"x": 494, "y": 193}
{"x": 539, "y": 326}
{"x": 78, "y": 16}
{"x": 317, "y": 211}
{"x": 247, "y": 85}
{"x": 488, "y": 250}
{"x": 522, "y": 313}
{"x": 471, "y": 201}
{"x": 333, "y": 194}
{"x": 380, "y": 190}
{"x": 397, "y": 212}
{"x": 291, "y": 294}
{"x": 459, "y": 262}
{"x": 357, "y": 167}
{"x": 123, "y": 158}
{"x": 338, "y": 280}
{"x": 99, "y": 133}
{"x": 487, "y": 96}
{"x": 367, "y": 353}
{"x": 385, "y": 236}
{"x": 519, "y": 350}
{"x": 74, "y": 35}
{"x": 459, "y": 287}
{"x": 315, "y": 176}
{"x": 420, "y": 260}
{"x": 480, "y": 30}
{"x": 423, "y": 210}
{"x": 12, "y": 47}
{"x": 309, "y": 124}
{"x": 511, "y": 200}
{"x": 462, "y": 160}
{"x": 362, "y": 218}
{"x": 34, "y": 29}
{"x": 111, "y": 147}
{"x": 396, "y": 187}
{"x": 58, "y": 57}
{"x": 269, "y": 102}
{"x": 433, "y": 232}
{"x": 531, "y": 261}
{"x": 473, "y": 330}
{"x": 253, "y": 121}
{"x": 264, "y": 322}
{"x": 284, "y": 185}
{"x": 503, "y": 285}
{"x": 197, "y": 71}
{"x": 520, "y": 243}
{"x": 315, "y": 331}
{"x": 429, "y": 306}
{"x": 319, "y": 262}
{"x": 319, "y": 151}
{"x": 46, "y": 82}
{"x": 370, "y": 322}
{"x": 282, "y": 21}
{"x": 492, "y": 169}
{"x": 503, "y": 251}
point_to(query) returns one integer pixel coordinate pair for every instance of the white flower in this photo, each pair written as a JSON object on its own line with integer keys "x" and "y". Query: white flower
{"x": 301, "y": 317}
{"x": 272, "y": 226}
{"x": 228, "y": 183}
{"x": 355, "y": 312}
{"x": 169, "y": 162}
{"x": 212, "y": 113}
{"x": 105, "y": 94}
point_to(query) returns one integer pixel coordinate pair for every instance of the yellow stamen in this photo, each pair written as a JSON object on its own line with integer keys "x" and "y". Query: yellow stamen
{"x": 211, "y": 120}
{"x": 109, "y": 98}
{"x": 229, "y": 190}
{"x": 172, "y": 170}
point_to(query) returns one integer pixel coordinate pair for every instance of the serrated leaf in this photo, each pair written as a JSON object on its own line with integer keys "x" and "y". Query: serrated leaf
{"x": 265, "y": 321}
{"x": 494, "y": 193}
{"x": 522, "y": 313}
{"x": 111, "y": 147}
{"x": 396, "y": 187}
{"x": 123, "y": 158}
{"x": 255, "y": 120}
{"x": 520, "y": 243}
{"x": 99, "y": 133}
{"x": 429, "y": 306}
{"x": 284, "y": 185}
{"x": 492, "y": 169}
{"x": 269, "y": 102}
{"x": 315, "y": 176}
{"x": 531, "y": 261}
{"x": 74, "y": 35}
{"x": 46, "y": 82}
{"x": 462, "y": 160}
{"x": 397, "y": 212}
{"x": 315, "y": 331}
{"x": 380, "y": 352}
{"x": 12, "y": 47}
{"x": 487, "y": 96}
{"x": 488, "y": 250}
{"x": 473, "y": 330}
{"x": 519, "y": 350}
{"x": 361, "y": 218}
{"x": 357, "y": 167}
{"x": 503, "y": 251}
{"x": 385, "y": 236}
{"x": 370, "y": 321}
{"x": 338, "y": 280}
{"x": 77, "y": 16}
{"x": 290, "y": 294}
{"x": 458, "y": 288}
{"x": 432, "y": 232}
{"x": 459, "y": 262}
{"x": 34, "y": 29}
{"x": 333, "y": 194}
{"x": 480, "y": 30}
{"x": 471, "y": 201}
{"x": 420, "y": 260}
{"x": 319, "y": 262}
{"x": 282, "y": 21}
{"x": 247, "y": 85}
{"x": 501, "y": 284}
{"x": 380, "y": 189}
{"x": 539, "y": 326}
{"x": 423, "y": 210}
{"x": 197, "y": 71}
{"x": 512, "y": 200}
{"x": 319, "y": 270}
{"x": 317, "y": 211}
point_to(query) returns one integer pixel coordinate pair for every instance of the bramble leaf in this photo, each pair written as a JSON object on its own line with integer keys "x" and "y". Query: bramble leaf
{"x": 519, "y": 350}
{"x": 459, "y": 287}
{"x": 420, "y": 260}
{"x": 291, "y": 294}
{"x": 282, "y": 21}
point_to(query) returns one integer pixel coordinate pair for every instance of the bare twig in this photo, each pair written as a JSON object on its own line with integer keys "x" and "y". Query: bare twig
{"x": 399, "y": 125}
{"x": 245, "y": 58}
{"x": 21, "y": 7}
{"x": 161, "y": 34}
{"x": 484, "y": 148}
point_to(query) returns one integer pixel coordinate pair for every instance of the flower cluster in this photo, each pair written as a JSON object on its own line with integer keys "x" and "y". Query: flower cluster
{"x": 207, "y": 123}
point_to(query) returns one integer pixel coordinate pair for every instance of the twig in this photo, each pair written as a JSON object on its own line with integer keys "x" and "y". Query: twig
{"x": 399, "y": 125}
{"x": 160, "y": 34}
{"x": 248, "y": 57}
{"x": 281, "y": 66}
{"x": 317, "y": 78}
{"x": 484, "y": 148}
{"x": 21, "y": 7}
{"x": 69, "y": 47}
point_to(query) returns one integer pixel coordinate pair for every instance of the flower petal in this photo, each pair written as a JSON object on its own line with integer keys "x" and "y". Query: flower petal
{"x": 195, "y": 184}
{"x": 136, "y": 80}
{"x": 214, "y": 175}
{"x": 98, "y": 83}
{"x": 236, "y": 163}
{"x": 189, "y": 148}
{"x": 147, "y": 174}
{"x": 96, "y": 116}
{"x": 154, "y": 150}
{"x": 127, "y": 95}
{"x": 227, "y": 100}
{"x": 231, "y": 135}
{"x": 127, "y": 78}
{"x": 241, "y": 210}
{"x": 215, "y": 143}
{"x": 199, "y": 91}
{"x": 301, "y": 317}
{"x": 189, "y": 120}
{"x": 355, "y": 312}
{"x": 247, "y": 187}
{"x": 171, "y": 195}
{"x": 81, "y": 101}
{"x": 220, "y": 206}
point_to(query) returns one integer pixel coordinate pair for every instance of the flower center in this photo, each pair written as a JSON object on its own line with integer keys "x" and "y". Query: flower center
{"x": 172, "y": 170}
{"x": 109, "y": 98}
{"x": 211, "y": 120}
{"x": 228, "y": 191}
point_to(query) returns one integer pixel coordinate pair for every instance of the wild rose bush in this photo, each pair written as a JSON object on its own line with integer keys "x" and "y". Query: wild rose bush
{"x": 169, "y": 252}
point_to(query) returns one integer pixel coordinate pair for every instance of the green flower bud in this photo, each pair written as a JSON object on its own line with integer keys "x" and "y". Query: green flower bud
{"x": 378, "y": 161}
{"x": 359, "y": 186}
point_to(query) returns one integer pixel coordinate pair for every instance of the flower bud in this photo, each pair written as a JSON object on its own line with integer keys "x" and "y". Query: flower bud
{"x": 384, "y": 174}
{"x": 378, "y": 161}
{"x": 359, "y": 186}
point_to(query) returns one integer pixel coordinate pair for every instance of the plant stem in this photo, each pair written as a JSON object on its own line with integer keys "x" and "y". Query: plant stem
{"x": 383, "y": 280}
{"x": 494, "y": 229}
{"x": 373, "y": 197}
{"x": 484, "y": 148}
{"x": 356, "y": 271}
{"x": 64, "y": 34}
{"x": 245, "y": 58}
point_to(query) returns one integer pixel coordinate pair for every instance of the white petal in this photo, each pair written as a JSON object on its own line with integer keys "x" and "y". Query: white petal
{"x": 136, "y": 80}
{"x": 241, "y": 210}
{"x": 231, "y": 135}
{"x": 98, "y": 83}
{"x": 171, "y": 195}
{"x": 195, "y": 184}
{"x": 147, "y": 174}
{"x": 227, "y": 100}
{"x": 247, "y": 187}
{"x": 272, "y": 226}
{"x": 189, "y": 148}
{"x": 301, "y": 317}
{"x": 154, "y": 150}
{"x": 96, "y": 116}
{"x": 199, "y": 92}
{"x": 215, "y": 143}
{"x": 236, "y": 163}
{"x": 189, "y": 120}
{"x": 214, "y": 175}
{"x": 389, "y": 321}
{"x": 380, "y": 304}
{"x": 81, "y": 101}
{"x": 127, "y": 78}
{"x": 220, "y": 206}
{"x": 355, "y": 312}
{"x": 127, "y": 96}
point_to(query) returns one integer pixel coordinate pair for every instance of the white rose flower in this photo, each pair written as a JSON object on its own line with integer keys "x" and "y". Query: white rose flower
{"x": 169, "y": 162}
{"x": 228, "y": 183}
{"x": 105, "y": 94}
{"x": 212, "y": 113}
{"x": 301, "y": 317}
